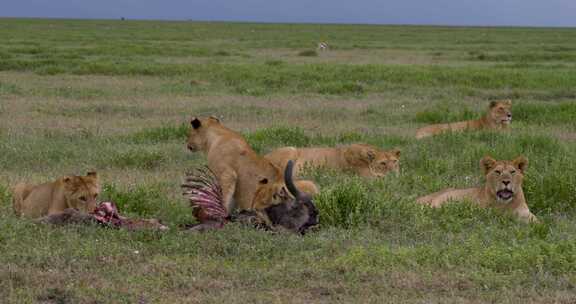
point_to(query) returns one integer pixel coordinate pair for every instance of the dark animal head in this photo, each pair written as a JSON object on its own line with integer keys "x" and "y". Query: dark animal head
{"x": 295, "y": 214}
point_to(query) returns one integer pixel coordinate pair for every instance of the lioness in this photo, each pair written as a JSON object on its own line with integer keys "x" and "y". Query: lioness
{"x": 498, "y": 117}
{"x": 503, "y": 189}
{"x": 239, "y": 170}
{"x": 362, "y": 159}
{"x": 76, "y": 192}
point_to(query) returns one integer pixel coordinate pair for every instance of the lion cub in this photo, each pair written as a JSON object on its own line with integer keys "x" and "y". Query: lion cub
{"x": 241, "y": 172}
{"x": 503, "y": 189}
{"x": 76, "y": 192}
{"x": 498, "y": 117}
{"x": 362, "y": 159}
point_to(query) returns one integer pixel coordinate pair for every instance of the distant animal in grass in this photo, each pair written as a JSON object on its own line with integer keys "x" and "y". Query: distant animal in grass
{"x": 240, "y": 171}
{"x": 498, "y": 117}
{"x": 294, "y": 212}
{"x": 322, "y": 46}
{"x": 361, "y": 159}
{"x": 502, "y": 189}
{"x": 76, "y": 192}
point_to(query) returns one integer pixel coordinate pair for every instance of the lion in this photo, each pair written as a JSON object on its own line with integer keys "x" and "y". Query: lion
{"x": 362, "y": 159}
{"x": 498, "y": 117}
{"x": 241, "y": 172}
{"x": 76, "y": 192}
{"x": 502, "y": 190}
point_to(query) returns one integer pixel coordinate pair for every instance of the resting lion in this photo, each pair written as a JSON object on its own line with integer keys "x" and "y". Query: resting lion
{"x": 240, "y": 171}
{"x": 76, "y": 192}
{"x": 498, "y": 117}
{"x": 364, "y": 160}
{"x": 503, "y": 189}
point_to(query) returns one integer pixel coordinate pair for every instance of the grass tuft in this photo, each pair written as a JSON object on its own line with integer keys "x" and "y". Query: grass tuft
{"x": 140, "y": 159}
{"x": 308, "y": 53}
{"x": 160, "y": 134}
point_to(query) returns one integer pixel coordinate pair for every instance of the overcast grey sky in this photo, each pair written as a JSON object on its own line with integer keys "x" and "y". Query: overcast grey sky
{"x": 442, "y": 12}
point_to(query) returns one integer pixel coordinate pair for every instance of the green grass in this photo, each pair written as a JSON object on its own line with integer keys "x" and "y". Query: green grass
{"x": 117, "y": 97}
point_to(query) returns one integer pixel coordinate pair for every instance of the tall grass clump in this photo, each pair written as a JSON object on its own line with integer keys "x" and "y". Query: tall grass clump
{"x": 346, "y": 205}
{"x": 4, "y": 195}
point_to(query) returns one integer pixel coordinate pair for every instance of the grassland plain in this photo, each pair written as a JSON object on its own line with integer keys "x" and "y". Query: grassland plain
{"x": 116, "y": 96}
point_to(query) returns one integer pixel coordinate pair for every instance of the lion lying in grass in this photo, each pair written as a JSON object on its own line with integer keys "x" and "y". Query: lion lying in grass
{"x": 503, "y": 189}
{"x": 498, "y": 117}
{"x": 364, "y": 160}
{"x": 76, "y": 192}
{"x": 240, "y": 171}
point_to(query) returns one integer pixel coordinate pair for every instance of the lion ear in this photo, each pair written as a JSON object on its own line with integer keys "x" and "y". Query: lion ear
{"x": 521, "y": 163}
{"x": 493, "y": 103}
{"x": 196, "y": 123}
{"x": 370, "y": 155}
{"x": 508, "y": 102}
{"x": 487, "y": 163}
{"x": 395, "y": 152}
{"x": 67, "y": 179}
{"x": 93, "y": 175}
{"x": 214, "y": 118}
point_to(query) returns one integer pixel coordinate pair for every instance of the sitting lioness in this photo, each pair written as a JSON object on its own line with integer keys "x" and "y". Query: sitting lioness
{"x": 498, "y": 117}
{"x": 239, "y": 170}
{"x": 362, "y": 159}
{"x": 503, "y": 189}
{"x": 76, "y": 192}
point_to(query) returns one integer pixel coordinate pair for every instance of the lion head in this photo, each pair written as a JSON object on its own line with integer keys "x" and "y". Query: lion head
{"x": 197, "y": 138}
{"x": 500, "y": 112}
{"x": 285, "y": 205}
{"x": 81, "y": 192}
{"x": 379, "y": 162}
{"x": 503, "y": 177}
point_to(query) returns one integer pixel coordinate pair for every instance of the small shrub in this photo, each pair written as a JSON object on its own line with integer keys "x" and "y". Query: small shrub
{"x": 308, "y": 53}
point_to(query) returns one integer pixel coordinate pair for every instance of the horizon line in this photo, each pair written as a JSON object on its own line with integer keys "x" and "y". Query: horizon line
{"x": 121, "y": 18}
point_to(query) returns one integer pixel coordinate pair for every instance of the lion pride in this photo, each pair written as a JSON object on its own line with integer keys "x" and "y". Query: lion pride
{"x": 502, "y": 190}
{"x": 247, "y": 179}
{"x": 362, "y": 159}
{"x": 76, "y": 192}
{"x": 498, "y": 117}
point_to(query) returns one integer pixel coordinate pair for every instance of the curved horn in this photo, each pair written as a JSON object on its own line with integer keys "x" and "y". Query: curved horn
{"x": 288, "y": 180}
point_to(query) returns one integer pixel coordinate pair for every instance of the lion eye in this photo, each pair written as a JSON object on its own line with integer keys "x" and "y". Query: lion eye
{"x": 513, "y": 172}
{"x": 83, "y": 198}
{"x": 498, "y": 172}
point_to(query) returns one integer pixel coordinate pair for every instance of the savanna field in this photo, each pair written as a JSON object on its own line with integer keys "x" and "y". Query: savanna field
{"x": 117, "y": 97}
